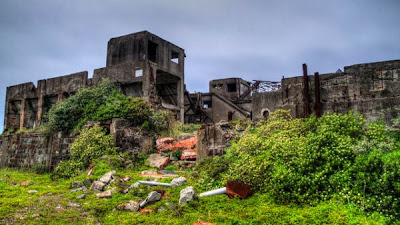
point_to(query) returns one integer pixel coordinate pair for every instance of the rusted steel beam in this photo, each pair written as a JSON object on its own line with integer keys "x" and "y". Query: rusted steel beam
{"x": 306, "y": 97}
{"x": 317, "y": 96}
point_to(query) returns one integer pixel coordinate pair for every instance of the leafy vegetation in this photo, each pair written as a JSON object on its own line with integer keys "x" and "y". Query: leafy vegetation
{"x": 99, "y": 103}
{"x": 91, "y": 144}
{"x": 52, "y": 205}
{"x": 309, "y": 161}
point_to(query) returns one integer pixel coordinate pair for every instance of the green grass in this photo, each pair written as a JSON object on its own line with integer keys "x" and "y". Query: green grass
{"x": 16, "y": 206}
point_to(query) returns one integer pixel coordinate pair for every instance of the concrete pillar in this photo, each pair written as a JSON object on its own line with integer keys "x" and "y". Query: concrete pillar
{"x": 40, "y": 94}
{"x": 22, "y": 115}
{"x": 6, "y": 111}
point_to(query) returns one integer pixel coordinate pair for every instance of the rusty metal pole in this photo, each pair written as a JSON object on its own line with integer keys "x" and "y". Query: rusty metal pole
{"x": 317, "y": 96}
{"x": 306, "y": 97}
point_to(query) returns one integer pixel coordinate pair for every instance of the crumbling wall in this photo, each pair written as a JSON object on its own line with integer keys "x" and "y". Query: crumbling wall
{"x": 32, "y": 149}
{"x": 371, "y": 89}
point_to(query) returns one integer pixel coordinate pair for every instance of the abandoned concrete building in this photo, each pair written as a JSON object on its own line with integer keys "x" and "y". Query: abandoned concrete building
{"x": 144, "y": 65}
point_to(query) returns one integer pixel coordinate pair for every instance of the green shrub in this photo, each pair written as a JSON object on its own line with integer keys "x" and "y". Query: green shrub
{"x": 67, "y": 169}
{"x": 313, "y": 160}
{"x": 98, "y": 103}
{"x": 91, "y": 144}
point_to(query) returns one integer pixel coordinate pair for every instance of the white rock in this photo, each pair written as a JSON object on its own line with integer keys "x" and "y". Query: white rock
{"x": 180, "y": 181}
{"x": 188, "y": 194}
{"x": 107, "y": 177}
{"x": 97, "y": 186}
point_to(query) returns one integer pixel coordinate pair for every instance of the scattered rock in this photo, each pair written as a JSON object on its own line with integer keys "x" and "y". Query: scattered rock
{"x": 135, "y": 185}
{"x": 151, "y": 198}
{"x": 127, "y": 178}
{"x": 240, "y": 190}
{"x": 35, "y": 215}
{"x": 106, "y": 194}
{"x": 82, "y": 196}
{"x": 97, "y": 186}
{"x": 130, "y": 206}
{"x": 73, "y": 204}
{"x": 1, "y": 180}
{"x": 187, "y": 194}
{"x": 180, "y": 181}
{"x": 31, "y": 191}
{"x": 76, "y": 184}
{"x": 79, "y": 189}
{"x": 26, "y": 183}
{"x": 107, "y": 177}
{"x": 145, "y": 211}
{"x": 88, "y": 182}
{"x": 158, "y": 161}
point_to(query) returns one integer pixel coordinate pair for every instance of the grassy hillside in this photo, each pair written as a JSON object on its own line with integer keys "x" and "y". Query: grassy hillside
{"x": 54, "y": 204}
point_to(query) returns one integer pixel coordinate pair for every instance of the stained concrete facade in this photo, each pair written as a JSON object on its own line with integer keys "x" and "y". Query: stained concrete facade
{"x": 225, "y": 101}
{"x": 142, "y": 64}
{"x": 372, "y": 89}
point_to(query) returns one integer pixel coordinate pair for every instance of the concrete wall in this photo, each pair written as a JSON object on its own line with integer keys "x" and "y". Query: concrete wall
{"x": 30, "y": 149}
{"x": 371, "y": 89}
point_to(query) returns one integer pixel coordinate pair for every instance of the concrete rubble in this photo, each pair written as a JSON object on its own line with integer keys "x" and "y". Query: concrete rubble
{"x": 152, "y": 197}
{"x": 130, "y": 206}
{"x": 186, "y": 195}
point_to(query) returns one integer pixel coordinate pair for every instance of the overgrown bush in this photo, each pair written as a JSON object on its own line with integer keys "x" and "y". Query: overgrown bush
{"x": 91, "y": 144}
{"x": 98, "y": 103}
{"x": 316, "y": 159}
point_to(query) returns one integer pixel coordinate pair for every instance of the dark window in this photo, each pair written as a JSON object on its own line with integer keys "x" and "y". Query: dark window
{"x": 207, "y": 104}
{"x": 231, "y": 87}
{"x": 152, "y": 51}
{"x": 175, "y": 57}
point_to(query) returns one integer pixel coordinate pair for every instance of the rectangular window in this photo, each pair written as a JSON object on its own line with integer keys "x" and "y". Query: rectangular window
{"x": 174, "y": 57}
{"x": 152, "y": 51}
{"x": 232, "y": 87}
{"x": 207, "y": 104}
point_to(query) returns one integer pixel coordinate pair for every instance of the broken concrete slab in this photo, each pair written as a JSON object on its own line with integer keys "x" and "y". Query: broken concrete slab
{"x": 180, "y": 181}
{"x": 234, "y": 188}
{"x": 97, "y": 186}
{"x": 158, "y": 161}
{"x": 187, "y": 194}
{"x": 107, "y": 177}
{"x": 189, "y": 154}
{"x": 130, "y": 206}
{"x": 79, "y": 189}
{"x": 106, "y": 194}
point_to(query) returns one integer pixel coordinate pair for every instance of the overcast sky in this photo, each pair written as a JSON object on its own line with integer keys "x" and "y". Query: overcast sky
{"x": 250, "y": 39}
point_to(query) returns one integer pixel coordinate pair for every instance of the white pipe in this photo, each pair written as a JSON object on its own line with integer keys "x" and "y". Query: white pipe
{"x": 155, "y": 183}
{"x": 143, "y": 203}
{"x": 213, "y": 192}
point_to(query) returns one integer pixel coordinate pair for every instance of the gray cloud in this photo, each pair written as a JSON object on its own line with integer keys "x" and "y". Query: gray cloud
{"x": 235, "y": 38}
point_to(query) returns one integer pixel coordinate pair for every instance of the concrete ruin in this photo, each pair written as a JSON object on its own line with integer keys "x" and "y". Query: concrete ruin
{"x": 141, "y": 64}
{"x": 144, "y": 65}
{"x": 371, "y": 89}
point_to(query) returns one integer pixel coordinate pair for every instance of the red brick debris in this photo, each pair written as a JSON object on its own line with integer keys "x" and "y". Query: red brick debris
{"x": 234, "y": 188}
{"x": 186, "y": 146}
{"x": 189, "y": 154}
